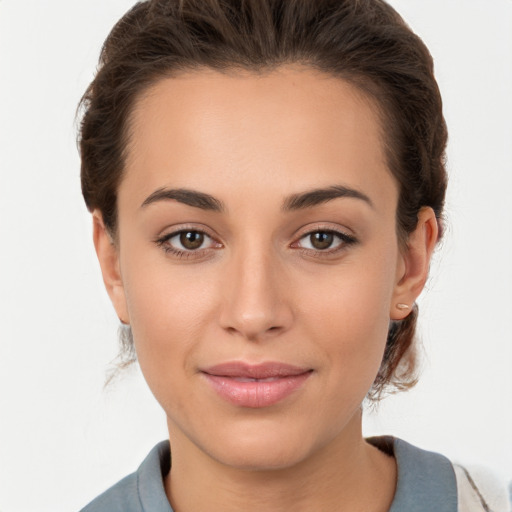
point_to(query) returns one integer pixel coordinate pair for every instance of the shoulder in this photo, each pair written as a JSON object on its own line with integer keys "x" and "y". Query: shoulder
{"x": 426, "y": 480}
{"x": 122, "y": 497}
{"x": 430, "y": 482}
{"x": 142, "y": 491}
{"x": 479, "y": 489}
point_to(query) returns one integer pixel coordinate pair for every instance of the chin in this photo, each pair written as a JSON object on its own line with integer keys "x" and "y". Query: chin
{"x": 261, "y": 458}
{"x": 266, "y": 448}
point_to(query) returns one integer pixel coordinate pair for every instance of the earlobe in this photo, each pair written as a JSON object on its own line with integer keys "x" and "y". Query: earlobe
{"x": 415, "y": 264}
{"x": 108, "y": 257}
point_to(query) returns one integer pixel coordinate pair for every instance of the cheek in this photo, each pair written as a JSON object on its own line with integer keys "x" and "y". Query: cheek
{"x": 348, "y": 316}
{"x": 167, "y": 320}
{"x": 168, "y": 310}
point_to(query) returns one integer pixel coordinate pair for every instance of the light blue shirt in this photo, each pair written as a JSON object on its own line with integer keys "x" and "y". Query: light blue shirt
{"x": 426, "y": 482}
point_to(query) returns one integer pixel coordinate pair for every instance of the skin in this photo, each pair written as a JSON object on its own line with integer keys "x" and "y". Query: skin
{"x": 257, "y": 289}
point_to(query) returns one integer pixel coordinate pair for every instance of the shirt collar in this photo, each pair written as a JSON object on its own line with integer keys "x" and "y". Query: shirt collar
{"x": 426, "y": 480}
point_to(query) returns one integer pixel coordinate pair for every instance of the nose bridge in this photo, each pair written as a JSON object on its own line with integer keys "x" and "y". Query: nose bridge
{"x": 255, "y": 298}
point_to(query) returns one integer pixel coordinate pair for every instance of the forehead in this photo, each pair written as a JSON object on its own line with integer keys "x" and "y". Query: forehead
{"x": 294, "y": 126}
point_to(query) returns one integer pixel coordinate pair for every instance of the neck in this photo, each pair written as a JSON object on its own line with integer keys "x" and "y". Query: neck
{"x": 347, "y": 474}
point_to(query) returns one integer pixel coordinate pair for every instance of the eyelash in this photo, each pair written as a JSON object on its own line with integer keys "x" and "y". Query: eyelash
{"x": 344, "y": 240}
{"x": 163, "y": 242}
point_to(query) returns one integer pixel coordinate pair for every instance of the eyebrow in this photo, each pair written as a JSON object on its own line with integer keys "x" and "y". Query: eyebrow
{"x": 322, "y": 195}
{"x": 294, "y": 202}
{"x": 185, "y": 196}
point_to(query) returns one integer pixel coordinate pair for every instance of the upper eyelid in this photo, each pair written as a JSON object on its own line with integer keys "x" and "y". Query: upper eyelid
{"x": 310, "y": 229}
{"x": 324, "y": 230}
{"x": 169, "y": 232}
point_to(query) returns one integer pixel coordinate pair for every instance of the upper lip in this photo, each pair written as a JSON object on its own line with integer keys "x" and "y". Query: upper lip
{"x": 255, "y": 371}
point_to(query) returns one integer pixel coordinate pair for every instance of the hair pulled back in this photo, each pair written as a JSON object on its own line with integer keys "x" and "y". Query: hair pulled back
{"x": 364, "y": 42}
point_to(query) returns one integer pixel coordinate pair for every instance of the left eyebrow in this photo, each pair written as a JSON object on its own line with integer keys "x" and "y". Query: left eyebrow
{"x": 322, "y": 195}
{"x": 186, "y": 196}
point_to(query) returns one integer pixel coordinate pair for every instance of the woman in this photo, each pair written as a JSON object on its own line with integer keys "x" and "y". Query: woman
{"x": 267, "y": 183}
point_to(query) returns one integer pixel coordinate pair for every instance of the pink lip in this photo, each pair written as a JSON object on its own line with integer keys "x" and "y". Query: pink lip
{"x": 255, "y": 386}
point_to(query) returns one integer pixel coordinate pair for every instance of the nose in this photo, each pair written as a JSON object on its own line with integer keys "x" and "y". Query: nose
{"x": 256, "y": 303}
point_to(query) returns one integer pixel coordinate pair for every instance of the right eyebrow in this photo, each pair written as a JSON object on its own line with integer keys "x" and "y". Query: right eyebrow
{"x": 318, "y": 196}
{"x": 186, "y": 196}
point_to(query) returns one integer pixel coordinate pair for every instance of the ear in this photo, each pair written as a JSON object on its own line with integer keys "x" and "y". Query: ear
{"x": 412, "y": 271}
{"x": 108, "y": 257}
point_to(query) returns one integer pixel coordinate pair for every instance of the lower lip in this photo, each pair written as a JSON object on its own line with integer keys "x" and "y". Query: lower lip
{"x": 256, "y": 394}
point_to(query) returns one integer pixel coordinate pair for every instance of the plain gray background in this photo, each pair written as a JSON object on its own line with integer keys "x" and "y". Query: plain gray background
{"x": 62, "y": 438}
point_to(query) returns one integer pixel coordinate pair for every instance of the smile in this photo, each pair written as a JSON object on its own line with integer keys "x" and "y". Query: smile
{"x": 255, "y": 386}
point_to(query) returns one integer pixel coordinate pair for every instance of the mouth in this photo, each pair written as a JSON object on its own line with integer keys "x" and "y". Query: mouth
{"x": 255, "y": 386}
{"x": 248, "y": 379}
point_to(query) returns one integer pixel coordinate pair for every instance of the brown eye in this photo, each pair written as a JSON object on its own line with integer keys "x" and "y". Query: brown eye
{"x": 191, "y": 240}
{"x": 321, "y": 240}
{"x": 191, "y": 244}
{"x": 325, "y": 241}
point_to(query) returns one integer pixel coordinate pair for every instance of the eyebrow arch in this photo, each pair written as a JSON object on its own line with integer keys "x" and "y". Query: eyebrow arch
{"x": 322, "y": 195}
{"x": 185, "y": 196}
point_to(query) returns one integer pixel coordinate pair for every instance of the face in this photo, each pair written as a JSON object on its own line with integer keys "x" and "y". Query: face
{"x": 257, "y": 260}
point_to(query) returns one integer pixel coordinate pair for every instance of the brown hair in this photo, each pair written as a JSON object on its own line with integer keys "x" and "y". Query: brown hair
{"x": 364, "y": 42}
